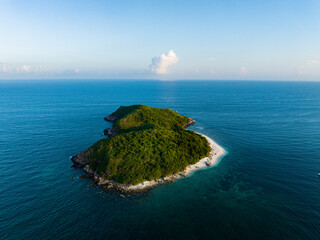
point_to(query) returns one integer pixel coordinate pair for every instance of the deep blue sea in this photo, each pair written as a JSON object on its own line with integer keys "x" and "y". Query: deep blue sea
{"x": 266, "y": 187}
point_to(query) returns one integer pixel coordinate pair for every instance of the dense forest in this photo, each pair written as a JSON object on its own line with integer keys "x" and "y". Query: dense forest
{"x": 150, "y": 143}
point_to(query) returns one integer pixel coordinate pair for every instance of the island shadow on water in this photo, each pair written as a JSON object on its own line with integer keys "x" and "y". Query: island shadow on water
{"x": 146, "y": 147}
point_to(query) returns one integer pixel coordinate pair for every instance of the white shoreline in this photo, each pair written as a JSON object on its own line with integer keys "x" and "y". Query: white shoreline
{"x": 216, "y": 153}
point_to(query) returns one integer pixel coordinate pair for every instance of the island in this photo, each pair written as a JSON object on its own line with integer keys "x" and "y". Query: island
{"x": 146, "y": 146}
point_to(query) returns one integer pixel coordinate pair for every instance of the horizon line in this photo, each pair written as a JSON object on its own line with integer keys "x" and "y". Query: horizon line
{"x": 158, "y": 80}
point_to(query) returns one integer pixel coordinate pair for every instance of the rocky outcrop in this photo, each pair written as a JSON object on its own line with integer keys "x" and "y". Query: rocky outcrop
{"x": 103, "y": 181}
{"x": 88, "y": 171}
{"x": 191, "y": 121}
{"x": 208, "y": 163}
{"x": 110, "y": 132}
{"x": 81, "y": 159}
{"x": 111, "y": 118}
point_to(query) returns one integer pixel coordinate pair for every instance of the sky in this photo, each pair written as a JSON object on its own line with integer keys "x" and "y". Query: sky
{"x": 166, "y": 40}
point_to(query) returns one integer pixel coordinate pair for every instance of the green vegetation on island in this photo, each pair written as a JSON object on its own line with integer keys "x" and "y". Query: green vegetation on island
{"x": 146, "y": 143}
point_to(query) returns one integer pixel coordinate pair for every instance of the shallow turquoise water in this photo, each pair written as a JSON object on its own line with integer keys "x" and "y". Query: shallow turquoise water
{"x": 265, "y": 188}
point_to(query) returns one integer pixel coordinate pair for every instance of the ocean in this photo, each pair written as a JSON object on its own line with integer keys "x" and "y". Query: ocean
{"x": 266, "y": 187}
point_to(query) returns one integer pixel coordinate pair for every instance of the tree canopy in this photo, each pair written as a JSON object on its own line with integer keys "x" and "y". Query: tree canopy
{"x": 151, "y": 143}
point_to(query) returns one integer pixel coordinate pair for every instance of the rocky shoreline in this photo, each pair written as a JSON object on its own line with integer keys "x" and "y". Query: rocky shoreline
{"x": 81, "y": 161}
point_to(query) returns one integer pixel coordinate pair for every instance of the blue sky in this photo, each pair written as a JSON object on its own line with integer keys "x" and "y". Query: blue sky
{"x": 140, "y": 39}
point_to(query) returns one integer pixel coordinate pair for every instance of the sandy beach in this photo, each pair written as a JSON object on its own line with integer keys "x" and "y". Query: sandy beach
{"x": 216, "y": 153}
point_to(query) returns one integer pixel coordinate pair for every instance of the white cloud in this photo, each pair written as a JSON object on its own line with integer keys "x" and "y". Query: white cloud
{"x": 160, "y": 64}
{"x": 24, "y": 68}
{"x": 34, "y": 70}
{"x": 308, "y": 66}
{"x": 4, "y": 67}
{"x": 212, "y": 59}
{"x": 243, "y": 71}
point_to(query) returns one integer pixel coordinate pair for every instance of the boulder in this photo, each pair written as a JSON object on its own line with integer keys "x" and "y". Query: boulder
{"x": 167, "y": 179}
{"x": 102, "y": 181}
{"x": 110, "y": 118}
{"x": 110, "y": 132}
{"x": 88, "y": 170}
{"x": 84, "y": 176}
{"x": 191, "y": 121}
{"x": 95, "y": 179}
{"x": 81, "y": 159}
